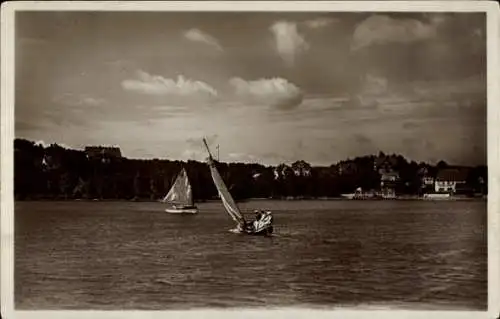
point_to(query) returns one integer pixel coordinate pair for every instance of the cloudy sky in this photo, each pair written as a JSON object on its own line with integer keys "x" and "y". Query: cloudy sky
{"x": 267, "y": 87}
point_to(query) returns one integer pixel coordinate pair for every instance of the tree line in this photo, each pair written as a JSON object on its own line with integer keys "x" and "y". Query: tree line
{"x": 54, "y": 172}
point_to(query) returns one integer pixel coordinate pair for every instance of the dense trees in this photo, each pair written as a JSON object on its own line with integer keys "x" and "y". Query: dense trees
{"x": 54, "y": 172}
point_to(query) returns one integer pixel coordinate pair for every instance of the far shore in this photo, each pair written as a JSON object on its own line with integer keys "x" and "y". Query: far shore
{"x": 400, "y": 198}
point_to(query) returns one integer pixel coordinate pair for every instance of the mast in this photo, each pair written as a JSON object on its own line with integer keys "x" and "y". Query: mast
{"x": 206, "y": 147}
{"x": 224, "y": 194}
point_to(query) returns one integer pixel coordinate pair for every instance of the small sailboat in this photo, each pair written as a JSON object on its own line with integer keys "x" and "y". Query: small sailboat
{"x": 180, "y": 196}
{"x": 263, "y": 225}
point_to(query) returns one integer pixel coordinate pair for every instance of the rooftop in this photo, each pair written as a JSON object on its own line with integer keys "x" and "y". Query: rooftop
{"x": 452, "y": 175}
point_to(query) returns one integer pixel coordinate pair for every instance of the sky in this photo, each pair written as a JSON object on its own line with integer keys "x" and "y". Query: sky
{"x": 267, "y": 87}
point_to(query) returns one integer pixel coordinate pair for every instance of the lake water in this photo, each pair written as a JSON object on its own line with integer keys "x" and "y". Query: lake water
{"x": 131, "y": 255}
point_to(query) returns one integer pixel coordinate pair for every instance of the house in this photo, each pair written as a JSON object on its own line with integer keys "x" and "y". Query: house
{"x": 427, "y": 184}
{"x": 388, "y": 183}
{"x": 301, "y": 168}
{"x": 282, "y": 171}
{"x": 105, "y": 154}
{"x": 427, "y": 181}
{"x": 451, "y": 180}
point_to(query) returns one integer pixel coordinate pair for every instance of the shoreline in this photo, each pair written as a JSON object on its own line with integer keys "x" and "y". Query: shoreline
{"x": 402, "y": 198}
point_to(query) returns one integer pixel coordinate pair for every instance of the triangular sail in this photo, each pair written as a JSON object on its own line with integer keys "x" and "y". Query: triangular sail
{"x": 181, "y": 192}
{"x": 227, "y": 200}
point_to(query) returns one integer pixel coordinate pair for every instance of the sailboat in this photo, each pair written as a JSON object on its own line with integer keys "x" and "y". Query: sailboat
{"x": 264, "y": 223}
{"x": 180, "y": 196}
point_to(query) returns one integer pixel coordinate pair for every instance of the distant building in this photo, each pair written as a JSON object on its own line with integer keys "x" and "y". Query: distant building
{"x": 388, "y": 183}
{"x": 105, "y": 154}
{"x": 389, "y": 176}
{"x": 301, "y": 168}
{"x": 451, "y": 180}
{"x": 282, "y": 171}
{"x": 427, "y": 181}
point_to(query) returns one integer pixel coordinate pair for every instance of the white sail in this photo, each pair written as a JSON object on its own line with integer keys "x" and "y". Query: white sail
{"x": 227, "y": 200}
{"x": 181, "y": 192}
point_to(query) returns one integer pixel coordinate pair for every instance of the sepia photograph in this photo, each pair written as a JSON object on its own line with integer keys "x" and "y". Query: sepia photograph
{"x": 285, "y": 158}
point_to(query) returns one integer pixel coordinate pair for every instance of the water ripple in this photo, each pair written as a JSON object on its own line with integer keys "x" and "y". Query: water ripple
{"x": 413, "y": 255}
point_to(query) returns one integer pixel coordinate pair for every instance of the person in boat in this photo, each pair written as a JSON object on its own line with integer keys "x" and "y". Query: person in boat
{"x": 250, "y": 225}
{"x": 268, "y": 213}
{"x": 258, "y": 215}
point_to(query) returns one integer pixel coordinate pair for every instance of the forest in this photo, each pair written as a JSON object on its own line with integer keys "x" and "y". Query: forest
{"x": 54, "y": 172}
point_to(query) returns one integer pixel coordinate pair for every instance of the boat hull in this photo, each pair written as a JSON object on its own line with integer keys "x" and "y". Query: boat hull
{"x": 187, "y": 210}
{"x": 264, "y": 232}
{"x": 256, "y": 228}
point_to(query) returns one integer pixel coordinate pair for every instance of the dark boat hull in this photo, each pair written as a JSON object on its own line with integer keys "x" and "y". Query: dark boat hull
{"x": 250, "y": 230}
{"x": 264, "y": 232}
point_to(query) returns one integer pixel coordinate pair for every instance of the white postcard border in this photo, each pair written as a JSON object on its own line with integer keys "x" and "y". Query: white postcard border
{"x": 7, "y": 137}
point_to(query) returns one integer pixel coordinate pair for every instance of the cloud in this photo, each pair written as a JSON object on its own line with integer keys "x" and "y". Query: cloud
{"x": 28, "y": 41}
{"x": 93, "y": 101}
{"x": 410, "y": 125}
{"x": 472, "y": 86}
{"x": 158, "y": 85}
{"x": 321, "y": 103}
{"x": 289, "y": 42}
{"x": 27, "y": 126}
{"x": 381, "y": 29}
{"x": 375, "y": 85}
{"x": 120, "y": 64}
{"x": 82, "y": 100}
{"x": 320, "y": 22}
{"x": 276, "y": 92}
{"x": 362, "y": 139}
{"x": 373, "y": 89}
{"x": 365, "y": 143}
{"x": 197, "y": 35}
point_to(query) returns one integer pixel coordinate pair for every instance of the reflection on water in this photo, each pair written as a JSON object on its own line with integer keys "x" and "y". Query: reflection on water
{"x": 121, "y": 255}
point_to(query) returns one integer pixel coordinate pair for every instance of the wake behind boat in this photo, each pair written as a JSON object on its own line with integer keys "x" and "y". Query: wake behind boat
{"x": 263, "y": 225}
{"x": 180, "y": 196}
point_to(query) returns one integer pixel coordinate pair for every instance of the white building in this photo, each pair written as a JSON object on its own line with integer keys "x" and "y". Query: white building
{"x": 449, "y": 180}
{"x": 301, "y": 168}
